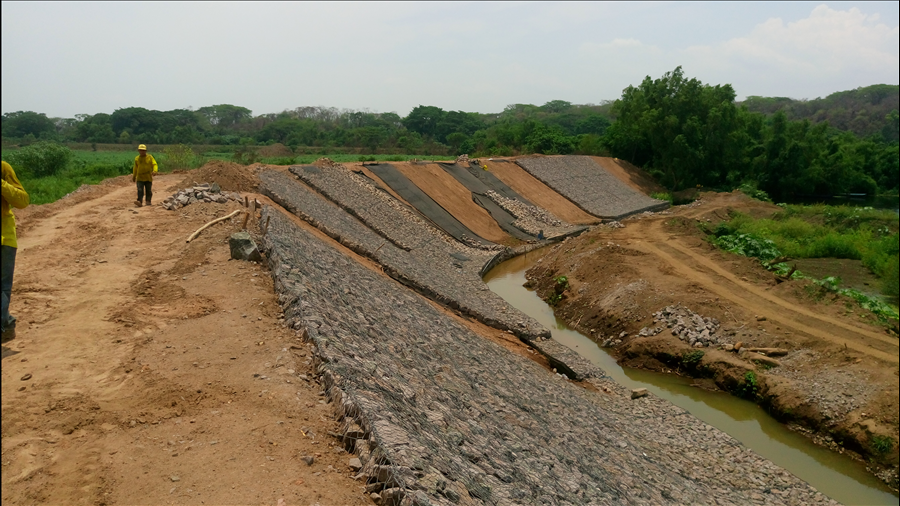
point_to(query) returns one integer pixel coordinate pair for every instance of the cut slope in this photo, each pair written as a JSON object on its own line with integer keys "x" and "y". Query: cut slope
{"x": 537, "y": 192}
{"x": 450, "y": 195}
{"x": 583, "y": 181}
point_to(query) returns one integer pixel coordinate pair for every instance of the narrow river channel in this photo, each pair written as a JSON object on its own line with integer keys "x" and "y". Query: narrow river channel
{"x": 835, "y": 475}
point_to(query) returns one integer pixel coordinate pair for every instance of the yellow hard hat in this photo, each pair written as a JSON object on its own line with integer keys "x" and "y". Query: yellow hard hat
{"x": 142, "y": 147}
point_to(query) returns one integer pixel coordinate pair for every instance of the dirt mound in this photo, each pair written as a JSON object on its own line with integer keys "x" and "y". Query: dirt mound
{"x": 229, "y": 176}
{"x": 326, "y": 162}
{"x": 277, "y": 149}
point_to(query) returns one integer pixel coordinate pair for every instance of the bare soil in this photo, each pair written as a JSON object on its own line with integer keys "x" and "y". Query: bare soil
{"x": 456, "y": 199}
{"x": 147, "y": 370}
{"x": 840, "y": 378}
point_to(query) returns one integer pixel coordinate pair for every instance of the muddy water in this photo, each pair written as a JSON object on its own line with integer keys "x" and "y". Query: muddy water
{"x": 835, "y": 475}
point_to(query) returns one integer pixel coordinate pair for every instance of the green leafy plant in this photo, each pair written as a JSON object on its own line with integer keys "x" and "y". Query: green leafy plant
{"x": 882, "y": 444}
{"x": 41, "y": 158}
{"x": 751, "y": 191}
{"x": 748, "y": 245}
{"x": 749, "y": 389}
{"x": 663, "y": 196}
{"x": 561, "y": 284}
{"x": 692, "y": 359}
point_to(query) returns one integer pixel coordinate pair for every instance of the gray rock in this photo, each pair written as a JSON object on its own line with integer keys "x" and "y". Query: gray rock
{"x": 637, "y": 393}
{"x": 243, "y": 247}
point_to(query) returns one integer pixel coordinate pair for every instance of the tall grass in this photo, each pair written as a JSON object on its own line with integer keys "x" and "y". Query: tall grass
{"x": 822, "y": 231}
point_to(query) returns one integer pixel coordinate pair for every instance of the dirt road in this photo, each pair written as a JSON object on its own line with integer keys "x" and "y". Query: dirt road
{"x": 147, "y": 370}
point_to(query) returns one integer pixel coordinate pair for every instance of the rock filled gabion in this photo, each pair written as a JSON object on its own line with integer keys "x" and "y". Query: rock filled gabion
{"x": 199, "y": 193}
{"x": 689, "y": 326}
{"x": 531, "y": 219}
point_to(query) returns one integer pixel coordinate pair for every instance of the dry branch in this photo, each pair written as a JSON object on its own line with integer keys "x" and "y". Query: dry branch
{"x": 213, "y": 222}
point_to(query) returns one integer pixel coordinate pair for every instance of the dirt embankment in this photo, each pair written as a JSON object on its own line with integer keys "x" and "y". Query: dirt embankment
{"x": 839, "y": 378}
{"x": 150, "y": 370}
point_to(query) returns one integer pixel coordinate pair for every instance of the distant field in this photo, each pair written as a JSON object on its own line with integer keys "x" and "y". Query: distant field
{"x": 92, "y": 167}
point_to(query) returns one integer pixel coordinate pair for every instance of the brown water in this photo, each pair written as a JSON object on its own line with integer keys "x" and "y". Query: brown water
{"x": 835, "y": 475}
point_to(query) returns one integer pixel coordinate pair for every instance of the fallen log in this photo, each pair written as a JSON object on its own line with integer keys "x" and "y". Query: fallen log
{"x": 770, "y": 352}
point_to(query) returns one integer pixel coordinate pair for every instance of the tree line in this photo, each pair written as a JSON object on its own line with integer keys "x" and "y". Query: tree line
{"x": 684, "y": 132}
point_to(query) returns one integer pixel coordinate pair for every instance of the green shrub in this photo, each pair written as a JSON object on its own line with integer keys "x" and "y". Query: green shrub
{"x": 750, "y": 190}
{"x": 882, "y": 444}
{"x": 692, "y": 359}
{"x": 749, "y": 246}
{"x": 749, "y": 389}
{"x": 663, "y": 196}
{"x": 41, "y": 158}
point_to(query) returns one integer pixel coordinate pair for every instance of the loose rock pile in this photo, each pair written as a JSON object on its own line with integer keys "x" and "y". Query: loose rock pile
{"x": 689, "y": 326}
{"x": 531, "y": 219}
{"x": 199, "y": 193}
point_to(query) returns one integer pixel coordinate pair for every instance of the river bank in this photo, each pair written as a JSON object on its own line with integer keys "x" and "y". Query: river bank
{"x": 837, "y": 380}
{"x": 837, "y": 475}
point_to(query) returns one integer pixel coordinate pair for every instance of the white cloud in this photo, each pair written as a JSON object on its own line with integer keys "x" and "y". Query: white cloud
{"x": 828, "y": 44}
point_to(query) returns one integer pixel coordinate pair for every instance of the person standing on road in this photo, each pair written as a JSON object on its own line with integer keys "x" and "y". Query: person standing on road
{"x": 142, "y": 174}
{"x": 14, "y": 195}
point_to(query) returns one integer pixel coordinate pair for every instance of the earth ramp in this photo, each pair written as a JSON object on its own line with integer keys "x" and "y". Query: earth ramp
{"x": 594, "y": 189}
{"x": 440, "y": 415}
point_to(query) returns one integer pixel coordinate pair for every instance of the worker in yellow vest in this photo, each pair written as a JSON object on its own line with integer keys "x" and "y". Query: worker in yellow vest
{"x": 142, "y": 173}
{"x": 14, "y": 195}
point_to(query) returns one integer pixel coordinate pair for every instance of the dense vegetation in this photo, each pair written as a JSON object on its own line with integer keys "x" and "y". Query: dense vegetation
{"x": 684, "y": 132}
{"x": 819, "y": 231}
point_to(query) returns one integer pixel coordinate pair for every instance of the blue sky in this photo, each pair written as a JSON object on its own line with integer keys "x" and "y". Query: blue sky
{"x": 68, "y": 58}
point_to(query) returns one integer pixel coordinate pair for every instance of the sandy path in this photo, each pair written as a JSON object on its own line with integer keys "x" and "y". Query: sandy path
{"x": 158, "y": 371}
{"x": 698, "y": 268}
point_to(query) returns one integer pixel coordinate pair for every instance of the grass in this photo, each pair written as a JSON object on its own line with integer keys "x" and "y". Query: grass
{"x": 821, "y": 231}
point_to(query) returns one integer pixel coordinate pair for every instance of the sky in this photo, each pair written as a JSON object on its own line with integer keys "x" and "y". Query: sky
{"x": 68, "y": 58}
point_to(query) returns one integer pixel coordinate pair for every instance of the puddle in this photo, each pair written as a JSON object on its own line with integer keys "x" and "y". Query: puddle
{"x": 835, "y": 475}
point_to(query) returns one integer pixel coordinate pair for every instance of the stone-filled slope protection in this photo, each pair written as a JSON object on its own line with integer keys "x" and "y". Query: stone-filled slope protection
{"x": 440, "y": 415}
{"x": 435, "y": 265}
{"x": 590, "y": 186}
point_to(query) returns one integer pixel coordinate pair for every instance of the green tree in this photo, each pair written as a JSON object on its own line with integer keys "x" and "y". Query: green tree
{"x": 21, "y": 123}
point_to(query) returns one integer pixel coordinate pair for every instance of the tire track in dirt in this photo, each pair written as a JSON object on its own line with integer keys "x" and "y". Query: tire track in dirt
{"x": 771, "y": 306}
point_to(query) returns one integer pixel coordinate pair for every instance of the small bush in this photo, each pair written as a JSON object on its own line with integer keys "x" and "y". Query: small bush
{"x": 748, "y": 245}
{"x": 882, "y": 444}
{"x": 41, "y": 159}
{"x": 750, "y": 190}
{"x": 692, "y": 359}
{"x": 749, "y": 389}
{"x": 663, "y": 196}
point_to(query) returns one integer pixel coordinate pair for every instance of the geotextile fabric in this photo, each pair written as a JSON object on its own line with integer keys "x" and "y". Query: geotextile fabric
{"x": 423, "y": 203}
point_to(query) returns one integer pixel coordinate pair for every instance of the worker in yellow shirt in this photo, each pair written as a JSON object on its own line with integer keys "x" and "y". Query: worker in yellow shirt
{"x": 14, "y": 195}
{"x": 142, "y": 173}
